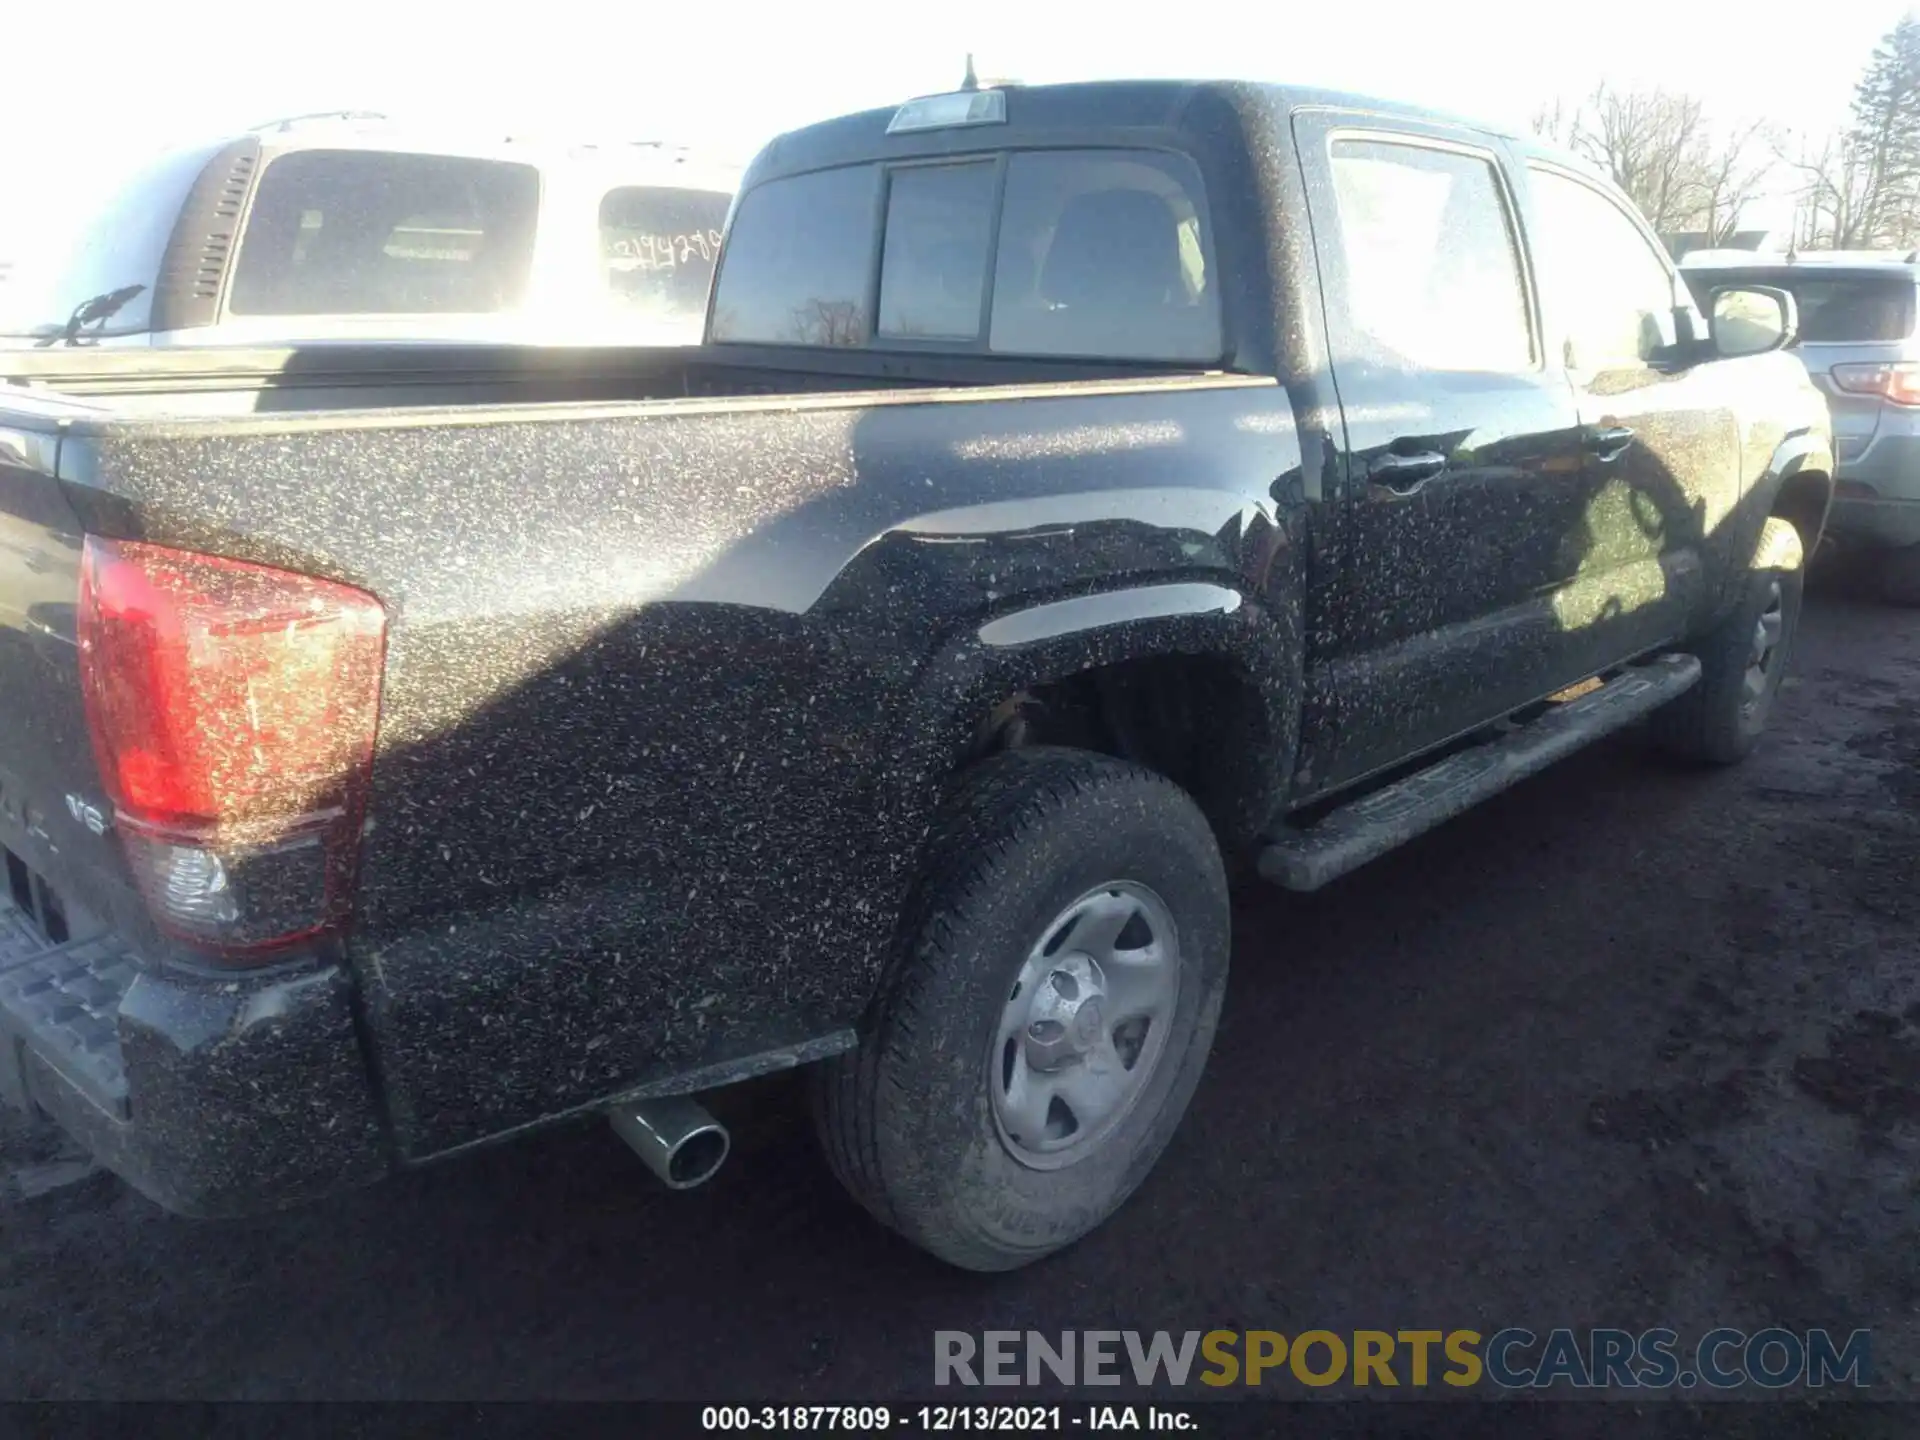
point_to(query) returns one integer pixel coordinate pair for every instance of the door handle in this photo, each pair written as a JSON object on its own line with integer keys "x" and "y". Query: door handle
{"x": 1401, "y": 476}
{"x": 1607, "y": 441}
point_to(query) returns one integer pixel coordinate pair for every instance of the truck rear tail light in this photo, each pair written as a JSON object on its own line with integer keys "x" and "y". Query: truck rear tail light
{"x": 232, "y": 710}
{"x": 1897, "y": 381}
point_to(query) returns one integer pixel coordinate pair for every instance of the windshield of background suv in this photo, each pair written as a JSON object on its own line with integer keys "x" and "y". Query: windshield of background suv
{"x": 1857, "y": 309}
{"x": 355, "y": 232}
{"x": 111, "y": 245}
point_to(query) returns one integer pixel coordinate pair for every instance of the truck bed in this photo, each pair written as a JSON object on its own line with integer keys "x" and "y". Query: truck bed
{"x": 656, "y": 672}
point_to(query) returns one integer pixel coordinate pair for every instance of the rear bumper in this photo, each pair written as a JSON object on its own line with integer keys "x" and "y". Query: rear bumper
{"x": 1879, "y": 523}
{"x": 1878, "y": 495}
{"x": 211, "y": 1096}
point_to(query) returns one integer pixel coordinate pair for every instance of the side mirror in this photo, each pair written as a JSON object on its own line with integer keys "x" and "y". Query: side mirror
{"x": 1752, "y": 320}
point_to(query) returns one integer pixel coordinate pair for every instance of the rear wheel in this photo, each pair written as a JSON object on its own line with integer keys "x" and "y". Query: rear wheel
{"x": 1899, "y": 575}
{"x": 1742, "y": 660}
{"x": 1041, "y": 1031}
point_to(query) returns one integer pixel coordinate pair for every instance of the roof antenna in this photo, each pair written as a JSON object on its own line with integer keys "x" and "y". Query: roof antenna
{"x": 972, "y": 82}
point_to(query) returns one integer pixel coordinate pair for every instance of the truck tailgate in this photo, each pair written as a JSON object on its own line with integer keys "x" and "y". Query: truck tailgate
{"x": 63, "y": 969}
{"x": 210, "y": 1096}
{"x": 63, "y": 869}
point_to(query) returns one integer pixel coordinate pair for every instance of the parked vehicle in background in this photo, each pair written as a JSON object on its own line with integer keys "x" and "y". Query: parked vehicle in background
{"x": 1859, "y": 342}
{"x": 351, "y": 227}
{"x": 1086, "y": 491}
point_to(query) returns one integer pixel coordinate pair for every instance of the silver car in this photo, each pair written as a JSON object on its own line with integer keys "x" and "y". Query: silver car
{"x": 1858, "y": 342}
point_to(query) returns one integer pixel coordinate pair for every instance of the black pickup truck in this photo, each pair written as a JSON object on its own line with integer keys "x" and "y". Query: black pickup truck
{"x": 1083, "y": 493}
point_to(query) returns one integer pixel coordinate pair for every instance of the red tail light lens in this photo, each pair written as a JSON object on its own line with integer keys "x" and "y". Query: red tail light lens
{"x": 1895, "y": 381}
{"x": 233, "y": 709}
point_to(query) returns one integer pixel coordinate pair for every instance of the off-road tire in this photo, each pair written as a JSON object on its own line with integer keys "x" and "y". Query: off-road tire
{"x": 906, "y": 1120}
{"x": 1714, "y": 723}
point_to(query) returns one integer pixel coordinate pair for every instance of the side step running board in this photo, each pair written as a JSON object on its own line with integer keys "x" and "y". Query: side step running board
{"x": 1308, "y": 857}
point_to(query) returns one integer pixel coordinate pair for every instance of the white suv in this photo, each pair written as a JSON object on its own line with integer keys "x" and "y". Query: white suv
{"x": 349, "y": 227}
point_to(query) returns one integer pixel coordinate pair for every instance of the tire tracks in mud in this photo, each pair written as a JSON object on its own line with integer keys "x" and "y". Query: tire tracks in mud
{"x": 1784, "y": 1100}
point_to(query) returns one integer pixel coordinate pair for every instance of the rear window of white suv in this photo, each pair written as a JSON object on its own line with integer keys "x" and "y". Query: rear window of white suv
{"x": 362, "y": 232}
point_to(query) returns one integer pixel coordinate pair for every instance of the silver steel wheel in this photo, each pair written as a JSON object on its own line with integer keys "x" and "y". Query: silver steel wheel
{"x": 1085, "y": 1024}
{"x": 1768, "y": 631}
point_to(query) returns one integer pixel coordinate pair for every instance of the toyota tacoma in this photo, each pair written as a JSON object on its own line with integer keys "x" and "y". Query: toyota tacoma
{"x": 1082, "y": 495}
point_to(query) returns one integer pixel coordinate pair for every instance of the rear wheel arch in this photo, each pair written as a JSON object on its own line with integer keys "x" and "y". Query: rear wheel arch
{"x": 1194, "y": 717}
{"x": 1208, "y": 695}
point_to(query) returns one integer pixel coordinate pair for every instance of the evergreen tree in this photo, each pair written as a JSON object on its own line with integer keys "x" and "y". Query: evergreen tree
{"x": 1885, "y": 139}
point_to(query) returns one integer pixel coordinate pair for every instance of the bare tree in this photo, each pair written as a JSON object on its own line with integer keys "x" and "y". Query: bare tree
{"x": 1645, "y": 139}
{"x": 1658, "y": 146}
{"x": 1835, "y": 193}
{"x": 1734, "y": 174}
{"x": 1555, "y": 123}
{"x": 1860, "y": 187}
{"x": 829, "y": 322}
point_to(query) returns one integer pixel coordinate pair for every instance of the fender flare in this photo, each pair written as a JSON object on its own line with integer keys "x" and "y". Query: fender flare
{"x": 1043, "y": 641}
{"x": 1807, "y": 450}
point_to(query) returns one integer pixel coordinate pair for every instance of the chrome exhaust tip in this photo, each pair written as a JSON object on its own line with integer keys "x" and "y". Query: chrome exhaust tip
{"x": 678, "y": 1139}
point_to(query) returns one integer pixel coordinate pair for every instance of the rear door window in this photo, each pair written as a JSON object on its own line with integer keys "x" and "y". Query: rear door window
{"x": 348, "y": 232}
{"x": 1432, "y": 273}
{"x": 1101, "y": 254}
{"x": 659, "y": 246}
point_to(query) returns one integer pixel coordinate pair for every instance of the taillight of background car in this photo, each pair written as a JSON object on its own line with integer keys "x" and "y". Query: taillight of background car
{"x": 1897, "y": 381}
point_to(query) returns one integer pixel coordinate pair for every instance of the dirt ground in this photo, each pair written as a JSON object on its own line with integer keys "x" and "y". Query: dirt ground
{"x": 1629, "y": 1046}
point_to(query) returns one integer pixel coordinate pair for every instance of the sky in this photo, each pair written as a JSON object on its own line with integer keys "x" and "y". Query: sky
{"x": 113, "y": 82}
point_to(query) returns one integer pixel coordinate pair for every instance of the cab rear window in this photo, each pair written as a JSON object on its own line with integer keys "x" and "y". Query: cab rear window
{"x": 794, "y": 270}
{"x": 1095, "y": 254}
{"x": 933, "y": 258}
